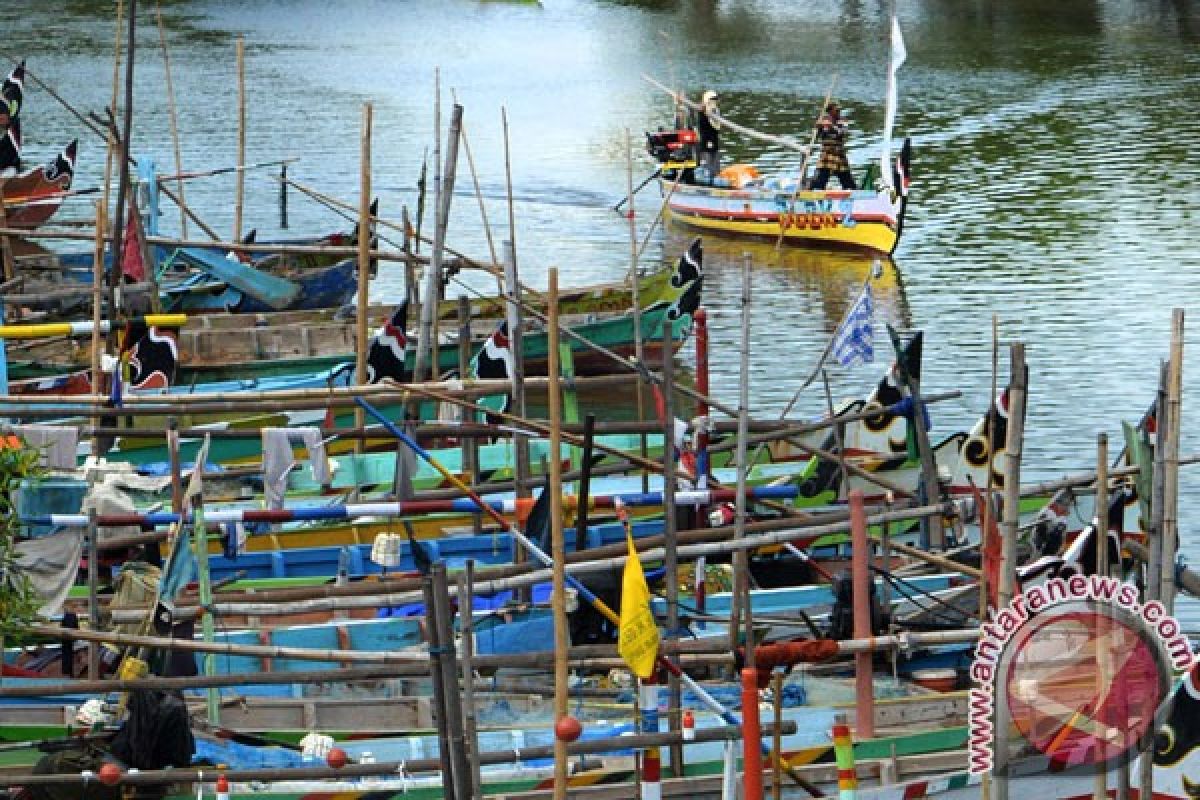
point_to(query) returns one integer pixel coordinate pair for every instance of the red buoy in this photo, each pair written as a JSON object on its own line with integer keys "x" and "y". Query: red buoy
{"x": 336, "y": 758}
{"x": 567, "y": 728}
{"x": 110, "y": 774}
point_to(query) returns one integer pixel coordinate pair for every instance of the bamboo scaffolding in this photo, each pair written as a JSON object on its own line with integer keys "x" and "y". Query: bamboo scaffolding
{"x": 408, "y": 661}
{"x": 489, "y": 585}
{"x": 583, "y": 655}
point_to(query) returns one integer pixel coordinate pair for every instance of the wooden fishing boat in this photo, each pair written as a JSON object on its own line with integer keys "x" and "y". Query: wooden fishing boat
{"x": 771, "y": 208}
{"x": 239, "y": 346}
{"x": 45, "y": 273}
{"x": 741, "y": 201}
{"x": 33, "y": 196}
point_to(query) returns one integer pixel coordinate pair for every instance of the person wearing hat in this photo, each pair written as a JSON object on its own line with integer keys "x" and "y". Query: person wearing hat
{"x": 708, "y": 153}
{"x": 831, "y": 133}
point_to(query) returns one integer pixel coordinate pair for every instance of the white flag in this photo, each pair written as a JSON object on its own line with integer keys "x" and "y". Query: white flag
{"x": 899, "y": 54}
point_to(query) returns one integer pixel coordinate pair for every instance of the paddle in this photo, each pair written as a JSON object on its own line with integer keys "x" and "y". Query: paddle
{"x": 640, "y": 186}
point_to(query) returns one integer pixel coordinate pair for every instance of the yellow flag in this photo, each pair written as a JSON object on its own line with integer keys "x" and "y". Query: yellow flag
{"x": 637, "y": 641}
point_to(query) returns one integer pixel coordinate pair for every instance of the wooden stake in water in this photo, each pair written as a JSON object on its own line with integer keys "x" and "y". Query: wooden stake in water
{"x": 364, "y": 260}
{"x": 110, "y": 155}
{"x": 639, "y": 350}
{"x": 240, "y": 175}
{"x": 172, "y": 116}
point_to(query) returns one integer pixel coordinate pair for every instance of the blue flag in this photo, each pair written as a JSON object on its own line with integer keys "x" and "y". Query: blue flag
{"x": 854, "y": 341}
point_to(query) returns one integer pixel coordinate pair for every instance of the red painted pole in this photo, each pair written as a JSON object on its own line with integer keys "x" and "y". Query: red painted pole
{"x": 752, "y": 764}
{"x": 861, "y": 584}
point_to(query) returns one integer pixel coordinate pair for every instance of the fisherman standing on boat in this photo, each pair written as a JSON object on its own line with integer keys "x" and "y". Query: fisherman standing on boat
{"x": 832, "y": 132}
{"x": 708, "y": 156}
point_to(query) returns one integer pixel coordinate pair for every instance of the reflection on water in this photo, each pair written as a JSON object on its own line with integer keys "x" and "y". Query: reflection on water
{"x": 1054, "y": 161}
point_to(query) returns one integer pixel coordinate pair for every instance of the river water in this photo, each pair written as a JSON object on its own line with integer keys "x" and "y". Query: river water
{"x": 1054, "y": 173}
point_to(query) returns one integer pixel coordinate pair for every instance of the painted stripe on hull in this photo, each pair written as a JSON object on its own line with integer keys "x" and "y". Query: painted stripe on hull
{"x": 865, "y": 235}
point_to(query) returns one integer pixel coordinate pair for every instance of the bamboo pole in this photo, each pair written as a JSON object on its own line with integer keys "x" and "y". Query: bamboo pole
{"x": 741, "y": 565}
{"x": 200, "y": 550}
{"x": 448, "y": 663}
{"x": 516, "y": 331}
{"x": 639, "y": 352}
{"x": 1104, "y": 665}
{"x": 470, "y": 444}
{"x": 427, "y": 342}
{"x": 1157, "y": 560}
{"x": 240, "y": 247}
{"x": 785, "y": 141}
{"x": 364, "y": 260}
{"x": 585, "y": 747}
{"x": 438, "y": 651}
{"x": 172, "y": 115}
{"x": 1170, "y": 517}
{"x": 466, "y": 608}
{"x": 558, "y": 550}
{"x": 1013, "y": 447}
{"x": 487, "y": 228}
{"x": 777, "y": 740}
{"x": 670, "y": 544}
{"x": 97, "y": 292}
{"x": 112, "y": 105}
{"x": 240, "y": 177}
{"x": 93, "y": 574}
{"x": 929, "y": 472}
{"x": 118, "y": 221}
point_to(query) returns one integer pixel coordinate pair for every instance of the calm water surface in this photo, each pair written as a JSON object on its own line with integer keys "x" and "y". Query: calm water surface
{"x": 1055, "y": 167}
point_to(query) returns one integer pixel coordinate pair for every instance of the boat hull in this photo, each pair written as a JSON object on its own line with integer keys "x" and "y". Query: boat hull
{"x": 863, "y": 220}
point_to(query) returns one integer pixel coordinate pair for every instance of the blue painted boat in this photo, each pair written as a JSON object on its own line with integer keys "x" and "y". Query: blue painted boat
{"x": 252, "y": 290}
